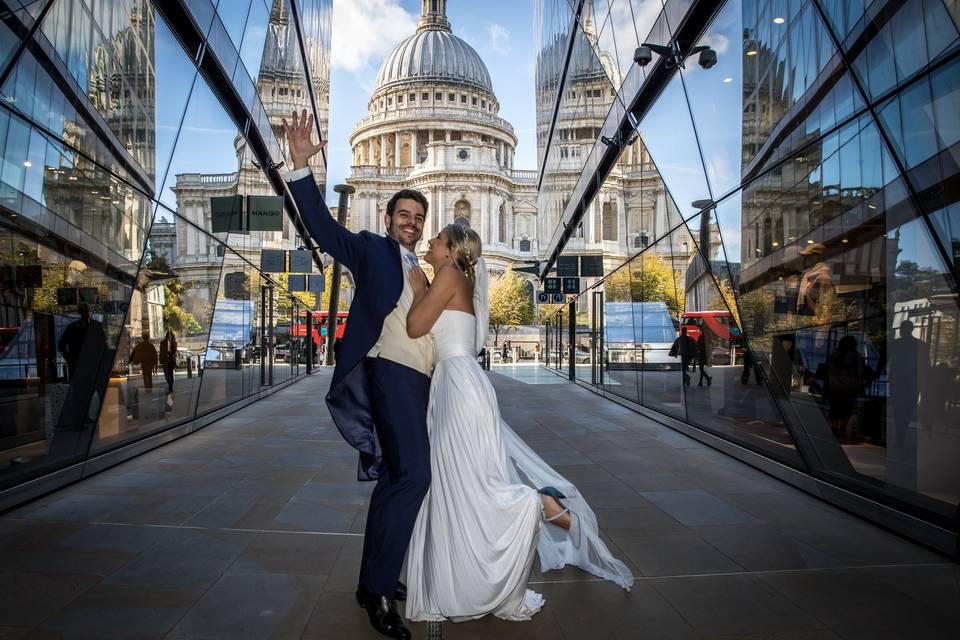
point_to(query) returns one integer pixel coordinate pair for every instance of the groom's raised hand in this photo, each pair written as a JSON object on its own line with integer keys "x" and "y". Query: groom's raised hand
{"x": 298, "y": 139}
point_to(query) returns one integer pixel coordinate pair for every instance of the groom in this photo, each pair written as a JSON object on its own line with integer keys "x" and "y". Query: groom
{"x": 381, "y": 384}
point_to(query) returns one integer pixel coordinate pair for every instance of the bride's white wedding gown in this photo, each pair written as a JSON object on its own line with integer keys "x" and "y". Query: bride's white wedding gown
{"x": 474, "y": 539}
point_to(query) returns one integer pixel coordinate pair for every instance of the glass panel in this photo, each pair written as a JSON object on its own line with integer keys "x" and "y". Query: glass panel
{"x": 176, "y": 76}
{"x": 622, "y": 355}
{"x": 112, "y": 61}
{"x": 726, "y": 401}
{"x": 155, "y": 379}
{"x": 667, "y": 132}
{"x": 254, "y": 35}
{"x": 233, "y": 15}
{"x": 60, "y": 314}
{"x": 716, "y": 99}
{"x": 906, "y": 42}
{"x": 228, "y": 351}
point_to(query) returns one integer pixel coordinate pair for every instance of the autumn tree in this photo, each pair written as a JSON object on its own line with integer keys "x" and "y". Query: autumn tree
{"x": 510, "y": 306}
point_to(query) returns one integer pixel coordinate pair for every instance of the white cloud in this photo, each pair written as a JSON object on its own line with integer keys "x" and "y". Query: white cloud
{"x": 718, "y": 41}
{"x": 364, "y": 31}
{"x": 499, "y": 38}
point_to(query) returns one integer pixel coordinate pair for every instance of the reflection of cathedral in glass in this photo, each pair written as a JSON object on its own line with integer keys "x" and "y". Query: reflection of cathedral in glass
{"x": 633, "y": 207}
{"x": 281, "y": 89}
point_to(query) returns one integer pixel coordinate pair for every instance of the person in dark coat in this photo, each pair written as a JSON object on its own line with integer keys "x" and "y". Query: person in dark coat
{"x": 704, "y": 351}
{"x": 686, "y": 349}
{"x": 71, "y": 342}
{"x": 168, "y": 358}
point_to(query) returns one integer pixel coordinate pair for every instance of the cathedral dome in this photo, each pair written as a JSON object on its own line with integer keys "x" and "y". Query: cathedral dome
{"x": 434, "y": 54}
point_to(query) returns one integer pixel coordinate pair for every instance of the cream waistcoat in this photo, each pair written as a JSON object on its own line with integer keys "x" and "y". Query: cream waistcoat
{"x": 394, "y": 344}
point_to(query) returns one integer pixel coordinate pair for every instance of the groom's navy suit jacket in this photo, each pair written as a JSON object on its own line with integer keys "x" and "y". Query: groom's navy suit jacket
{"x": 374, "y": 262}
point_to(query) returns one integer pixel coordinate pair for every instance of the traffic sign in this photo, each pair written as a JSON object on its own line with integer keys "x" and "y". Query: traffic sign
{"x": 551, "y": 285}
{"x": 558, "y": 298}
{"x": 568, "y": 266}
{"x": 591, "y": 266}
{"x": 571, "y": 285}
{"x": 543, "y": 297}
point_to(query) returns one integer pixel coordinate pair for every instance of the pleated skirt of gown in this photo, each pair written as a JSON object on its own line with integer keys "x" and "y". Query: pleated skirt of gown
{"x": 476, "y": 535}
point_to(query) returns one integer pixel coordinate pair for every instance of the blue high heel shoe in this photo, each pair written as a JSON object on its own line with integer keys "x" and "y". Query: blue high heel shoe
{"x": 574, "y": 529}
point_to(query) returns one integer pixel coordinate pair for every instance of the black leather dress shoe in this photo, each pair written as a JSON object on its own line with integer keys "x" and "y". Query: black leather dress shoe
{"x": 401, "y": 593}
{"x": 383, "y": 614}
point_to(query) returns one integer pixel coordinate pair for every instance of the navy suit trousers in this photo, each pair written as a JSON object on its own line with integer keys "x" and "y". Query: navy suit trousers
{"x": 399, "y": 396}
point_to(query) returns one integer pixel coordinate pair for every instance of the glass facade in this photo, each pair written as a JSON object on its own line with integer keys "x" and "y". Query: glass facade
{"x": 798, "y": 295}
{"x": 127, "y": 306}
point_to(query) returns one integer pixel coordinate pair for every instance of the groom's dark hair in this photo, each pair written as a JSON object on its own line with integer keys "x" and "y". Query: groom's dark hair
{"x": 408, "y": 194}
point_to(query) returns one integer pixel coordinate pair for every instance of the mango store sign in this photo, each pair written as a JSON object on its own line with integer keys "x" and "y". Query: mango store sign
{"x": 265, "y": 213}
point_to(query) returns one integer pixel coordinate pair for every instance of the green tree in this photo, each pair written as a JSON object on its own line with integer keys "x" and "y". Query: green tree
{"x": 648, "y": 278}
{"x": 328, "y": 285}
{"x": 510, "y": 306}
{"x": 175, "y": 318}
{"x": 285, "y": 304}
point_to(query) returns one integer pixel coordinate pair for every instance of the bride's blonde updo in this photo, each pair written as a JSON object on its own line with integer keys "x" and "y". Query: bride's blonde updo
{"x": 465, "y": 244}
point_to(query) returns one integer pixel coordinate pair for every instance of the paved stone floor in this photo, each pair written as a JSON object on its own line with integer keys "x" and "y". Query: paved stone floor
{"x": 252, "y": 528}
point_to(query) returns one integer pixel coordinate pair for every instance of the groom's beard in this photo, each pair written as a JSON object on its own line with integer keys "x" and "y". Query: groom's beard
{"x": 393, "y": 232}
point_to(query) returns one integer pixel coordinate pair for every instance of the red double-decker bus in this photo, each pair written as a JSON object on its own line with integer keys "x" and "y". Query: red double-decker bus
{"x": 299, "y": 328}
{"x": 722, "y": 327}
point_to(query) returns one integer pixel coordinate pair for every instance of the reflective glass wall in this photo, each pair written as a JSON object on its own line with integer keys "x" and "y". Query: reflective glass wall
{"x": 801, "y": 297}
{"x": 128, "y": 302}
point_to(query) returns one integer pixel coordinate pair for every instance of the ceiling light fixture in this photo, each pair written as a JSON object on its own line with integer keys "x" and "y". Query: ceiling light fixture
{"x": 752, "y": 52}
{"x": 778, "y": 20}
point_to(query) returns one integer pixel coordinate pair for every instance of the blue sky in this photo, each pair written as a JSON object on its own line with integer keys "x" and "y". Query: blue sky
{"x": 365, "y": 31}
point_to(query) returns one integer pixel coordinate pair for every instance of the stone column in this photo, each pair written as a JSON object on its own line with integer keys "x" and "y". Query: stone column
{"x": 429, "y": 135}
{"x": 661, "y": 219}
{"x": 383, "y": 150}
{"x": 484, "y": 229}
{"x": 440, "y": 216}
{"x": 369, "y": 160}
{"x": 413, "y": 147}
{"x": 396, "y": 149}
{"x": 446, "y": 135}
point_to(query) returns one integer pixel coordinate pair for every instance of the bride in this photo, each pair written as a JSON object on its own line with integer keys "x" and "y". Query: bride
{"x": 474, "y": 540}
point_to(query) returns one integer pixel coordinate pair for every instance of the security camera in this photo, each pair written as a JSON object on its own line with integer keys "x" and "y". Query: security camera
{"x": 708, "y": 58}
{"x": 642, "y": 56}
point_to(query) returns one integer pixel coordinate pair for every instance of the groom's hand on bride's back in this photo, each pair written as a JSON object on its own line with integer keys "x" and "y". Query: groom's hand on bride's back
{"x": 299, "y": 142}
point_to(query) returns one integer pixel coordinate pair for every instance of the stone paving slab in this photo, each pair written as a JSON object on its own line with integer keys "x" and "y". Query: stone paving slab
{"x": 252, "y": 528}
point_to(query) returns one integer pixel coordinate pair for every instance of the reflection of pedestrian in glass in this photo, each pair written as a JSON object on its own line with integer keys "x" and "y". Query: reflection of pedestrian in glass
{"x": 908, "y": 362}
{"x": 145, "y": 355}
{"x": 816, "y": 283}
{"x": 168, "y": 358}
{"x": 686, "y": 349}
{"x": 86, "y": 346}
{"x": 71, "y": 342}
{"x": 704, "y": 353}
{"x": 749, "y": 363}
{"x": 847, "y": 375}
